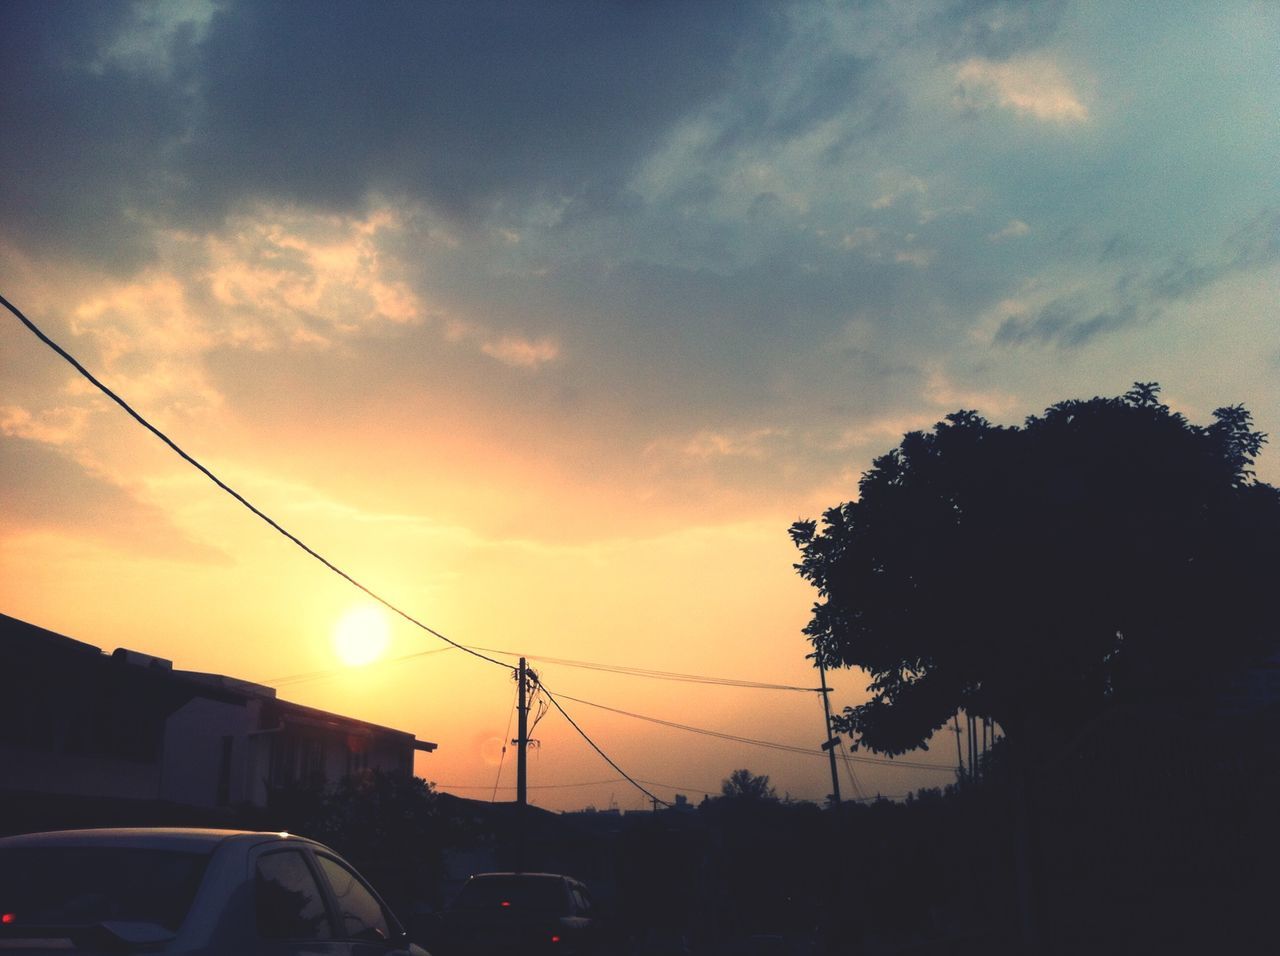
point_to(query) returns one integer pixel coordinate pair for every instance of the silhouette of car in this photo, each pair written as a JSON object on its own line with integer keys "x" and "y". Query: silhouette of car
{"x": 186, "y": 891}
{"x": 527, "y": 913}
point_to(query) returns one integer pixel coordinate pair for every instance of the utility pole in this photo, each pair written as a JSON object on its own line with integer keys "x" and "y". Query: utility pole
{"x": 524, "y": 677}
{"x": 832, "y": 741}
{"x": 973, "y": 745}
{"x": 955, "y": 722}
{"x": 522, "y": 741}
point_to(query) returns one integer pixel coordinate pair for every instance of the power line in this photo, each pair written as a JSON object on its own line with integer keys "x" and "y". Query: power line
{"x": 772, "y": 745}
{"x": 336, "y": 671}
{"x": 672, "y": 786}
{"x": 596, "y": 748}
{"x": 475, "y": 652}
{"x": 506, "y": 739}
{"x": 656, "y": 674}
{"x": 588, "y": 665}
{"x": 71, "y": 360}
{"x": 854, "y": 788}
{"x": 532, "y": 786}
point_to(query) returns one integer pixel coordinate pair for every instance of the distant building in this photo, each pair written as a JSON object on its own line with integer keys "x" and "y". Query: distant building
{"x": 77, "y": 722}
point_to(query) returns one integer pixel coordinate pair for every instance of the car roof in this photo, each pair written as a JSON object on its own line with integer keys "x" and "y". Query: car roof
{"x": 523, "y": 876}
{"x": 150, "y": 838}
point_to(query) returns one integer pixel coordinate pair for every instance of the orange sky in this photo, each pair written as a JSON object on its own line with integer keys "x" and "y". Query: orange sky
{"x": 547, "y": 324}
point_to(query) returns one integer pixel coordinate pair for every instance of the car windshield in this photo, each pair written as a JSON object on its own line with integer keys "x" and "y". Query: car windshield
{"x": 79, "y": 886}
{"x": 529, "y": 894}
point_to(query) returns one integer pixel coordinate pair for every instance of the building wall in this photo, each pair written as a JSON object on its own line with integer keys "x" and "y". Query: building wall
{"x": 55, "y": 772}
{"x": 80, "y": 723}
{"x": 203, "y": 763}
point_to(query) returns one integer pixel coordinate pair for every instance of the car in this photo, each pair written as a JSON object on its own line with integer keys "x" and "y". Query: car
{"x": 189, "y": 891}
{"x": 526, "y": 913}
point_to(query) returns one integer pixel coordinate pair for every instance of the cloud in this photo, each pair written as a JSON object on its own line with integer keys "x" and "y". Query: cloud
{"x": 896, "y": 187}
{"x": 748, "y": 443}
{"x": 54, "y": 426}
{"x": 521, "y": 353}
{"x": 46, "y": 491}
{"x": 993, "y": 28}
{"x": 120, "y": 119}
{"x": 1013, "y": 230}
{"x": 1067, "y": 321}
{"x": 309, "y": 277}
{"x": 1029, "y": 86}
{"x": 464, "y": 106}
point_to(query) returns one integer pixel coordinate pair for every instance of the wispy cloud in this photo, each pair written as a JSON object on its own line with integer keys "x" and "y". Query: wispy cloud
{"x": 521, "y": 352}
{"x": 1030, "y": 86}
{"x": 1013, "y": 230}
{"x": 54, "y": 426}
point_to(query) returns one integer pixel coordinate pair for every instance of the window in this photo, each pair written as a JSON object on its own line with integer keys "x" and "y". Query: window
{"x": 77, "y": 885}
{"x": 361, "y": 914}
{"x": 222, "y": 791}
{"x": 518, "y": 892}
{"x": 288, "y": 900}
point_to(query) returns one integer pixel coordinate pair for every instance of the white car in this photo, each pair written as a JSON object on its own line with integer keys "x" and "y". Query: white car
{"x": 191, "y": 892}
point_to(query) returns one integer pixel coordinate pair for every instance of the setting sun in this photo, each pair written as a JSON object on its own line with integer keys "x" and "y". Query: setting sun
{"x": 360, "y": 636}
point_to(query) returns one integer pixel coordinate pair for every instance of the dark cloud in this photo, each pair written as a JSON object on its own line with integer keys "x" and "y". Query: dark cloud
{"x": 43, "y": 489}
{"x": 1071, "y": 322}
{"x": 468, "y": 105}
{"x": 997, "y": 29}
{"x": 85, "y": 138}
{"x": 1064, "y": 322}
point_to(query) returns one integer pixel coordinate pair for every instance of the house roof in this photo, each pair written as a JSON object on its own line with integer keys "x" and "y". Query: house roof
{"x": 31, "y": 641}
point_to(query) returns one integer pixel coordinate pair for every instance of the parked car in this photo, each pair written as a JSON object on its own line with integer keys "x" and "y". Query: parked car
{"x": 527, "y": 913}
{"x": 178, "y": 891}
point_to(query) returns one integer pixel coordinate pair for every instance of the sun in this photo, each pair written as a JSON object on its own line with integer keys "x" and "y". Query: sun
{"x": 360, "y": 637}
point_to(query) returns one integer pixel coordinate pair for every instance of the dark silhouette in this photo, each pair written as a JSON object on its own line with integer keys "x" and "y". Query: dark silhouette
{"x": 745, "y": 785}
{"x": 1087, "y": 581}
{"x": 1106, "y": 552}
{"x": 388, "y": 825}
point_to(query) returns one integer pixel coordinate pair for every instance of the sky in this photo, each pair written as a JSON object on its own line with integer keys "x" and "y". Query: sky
{"x": 546, "y": 320}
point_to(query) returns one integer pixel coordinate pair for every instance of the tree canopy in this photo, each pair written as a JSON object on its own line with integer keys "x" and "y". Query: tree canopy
{"x": 745, "y": 785}
{"x": 1106, "y": 550}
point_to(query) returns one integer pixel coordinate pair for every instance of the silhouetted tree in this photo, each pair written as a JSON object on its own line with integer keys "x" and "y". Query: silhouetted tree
{"x": 386, "y": 824}
{"x": 745, "y": 785}
{"x": 1106, "y": 550}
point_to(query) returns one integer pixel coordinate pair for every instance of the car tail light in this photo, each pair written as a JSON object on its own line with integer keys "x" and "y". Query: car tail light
{"x": 555, "y": 939}
{"x": 505, "y": 904}
{"x": 8, "y": 917}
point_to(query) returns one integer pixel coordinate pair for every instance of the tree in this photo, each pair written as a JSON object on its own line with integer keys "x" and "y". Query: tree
{"x": 744, "y": 785}
{"x": 386, "y": 824}
{"x": 1107, "y": 550}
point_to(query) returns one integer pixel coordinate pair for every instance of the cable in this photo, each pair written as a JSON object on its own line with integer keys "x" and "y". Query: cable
{"x": 70, "y": 359}
{"x": 336, "y": 671}
{"x": 854, "y": 787}
{"x": 672, "y": 786}
{"x": 506, "y": 738}
{"x": 474, "y": 652}
{"x": 772, "y": 745}
{"x": 531, "y": 786}
{"x": 658, "y": 675}
{"x": 582, "y": 733}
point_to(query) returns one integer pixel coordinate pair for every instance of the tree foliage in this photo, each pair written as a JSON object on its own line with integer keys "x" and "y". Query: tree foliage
{"x": 1106, "y": 549}
{"x": 387, "y": 824}
{"x": 745, "y": 785}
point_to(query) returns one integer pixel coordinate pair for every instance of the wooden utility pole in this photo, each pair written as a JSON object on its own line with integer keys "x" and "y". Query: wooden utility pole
{"x": 832, "y": 741}
{"x": 955, "y": 722}
{"x": 522, "y": 740}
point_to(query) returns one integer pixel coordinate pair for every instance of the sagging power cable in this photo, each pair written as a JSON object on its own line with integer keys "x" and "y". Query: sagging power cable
{"x": 189, "y": 459}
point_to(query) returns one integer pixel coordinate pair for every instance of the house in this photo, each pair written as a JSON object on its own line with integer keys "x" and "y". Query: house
{"x": 78, "y": 722}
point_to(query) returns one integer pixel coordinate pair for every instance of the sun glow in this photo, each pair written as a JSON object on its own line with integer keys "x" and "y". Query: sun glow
{"x": 360, "y": 637}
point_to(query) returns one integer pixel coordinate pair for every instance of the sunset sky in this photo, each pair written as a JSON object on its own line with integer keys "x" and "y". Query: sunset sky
{"x": 545, "y": 320}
